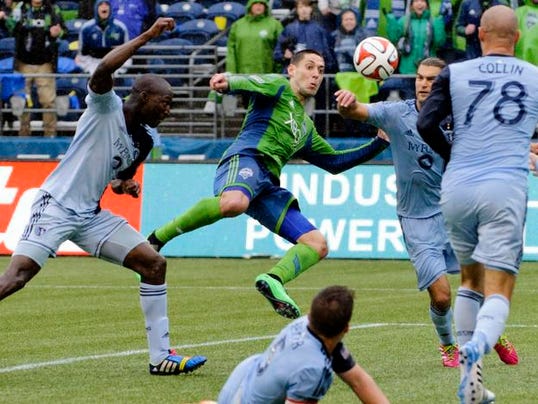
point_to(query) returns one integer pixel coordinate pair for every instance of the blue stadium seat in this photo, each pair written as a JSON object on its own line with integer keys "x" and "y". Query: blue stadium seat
{"x": 7, "y": 47}
{"x": 371, "y": 17}
{"x": 184, "y": 11}
{"x": 166, "y": 64}
{"x": 75, "y": 89}
{"x": 73, "y": 28}
{"x": 230, "y": 9}
{"x": 198, "y": 31}
{"x": 67, "y": 65}
{"x": 206, "y": 3}
{"x": 398, "y": 8}
{"x": 6, "y": 65}
{"x": 65, "y": 50}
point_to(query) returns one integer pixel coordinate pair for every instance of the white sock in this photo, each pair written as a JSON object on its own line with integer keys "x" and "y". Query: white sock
{"x": 491, "y": 321}
{"x": 154, "y": 307}
{"x": 442, "y": 322}
{"x": 466, "y": 307}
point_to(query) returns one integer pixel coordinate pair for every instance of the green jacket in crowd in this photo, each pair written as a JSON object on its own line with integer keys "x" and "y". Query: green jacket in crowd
{"x": 251, "y": 42}
{"x": 425, "y": 34}
{"x": 527, "y": 46}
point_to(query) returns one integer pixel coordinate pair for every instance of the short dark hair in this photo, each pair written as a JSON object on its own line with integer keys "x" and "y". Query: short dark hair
{"x": 298, "y": 56}
{"x": 331, "y": 310}
{"x": 433, "y": 61}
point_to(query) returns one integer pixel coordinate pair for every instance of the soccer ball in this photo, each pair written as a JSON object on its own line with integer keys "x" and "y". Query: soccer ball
{"x": 375, "y": 58}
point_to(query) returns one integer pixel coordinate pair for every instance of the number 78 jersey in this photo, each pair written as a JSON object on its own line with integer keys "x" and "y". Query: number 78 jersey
{"x": 495, "y": 111}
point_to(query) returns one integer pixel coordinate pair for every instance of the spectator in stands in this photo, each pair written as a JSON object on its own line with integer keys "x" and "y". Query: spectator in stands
{"x": 252, "y": 39}
{"x": 98, "y": 36}
{"x": 303, "y": 33}
{"x": 6, "y": 7}
{"x": 37, "y": 25}
{"x": 250, "y": 45}
{"x": 530, "y": 51}
{"x": 445, "y": 9}
{"x": 346, "y": 38}
{"x": 527, "y": 46}
{"x": 137, "y": 15}
{"x": 332, "y": 9}
{"x": 417, "y": 34}
{"x": 468, "y": 22}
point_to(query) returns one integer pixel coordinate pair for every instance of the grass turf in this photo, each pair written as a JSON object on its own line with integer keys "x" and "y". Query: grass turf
{"x": 76, "y": 332}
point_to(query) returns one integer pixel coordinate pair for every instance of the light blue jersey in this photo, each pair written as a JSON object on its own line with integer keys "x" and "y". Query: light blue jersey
{"x": 418, "y": 169}
{"x": 418, "y": 179}
{"x": 494, "y": 104}
{"x": 295, "y": 366}
{"x": 78, "y": 182}
{"x": 495, "y": 109}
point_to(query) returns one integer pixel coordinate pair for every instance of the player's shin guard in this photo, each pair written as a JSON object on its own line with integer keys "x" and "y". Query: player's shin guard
{"x": 153, "y": 300}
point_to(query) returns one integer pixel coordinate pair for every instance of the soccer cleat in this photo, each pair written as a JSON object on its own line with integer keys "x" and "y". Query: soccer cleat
{"x": 450, "y": 355}
{"x": 175, "y": 364}
{"x": 506, "y": 351}
{"x": 488, "y": 397}
{"x": 274, "y": 292}
{"x": 154, "y": 242}
{"x": 471, "y": 389}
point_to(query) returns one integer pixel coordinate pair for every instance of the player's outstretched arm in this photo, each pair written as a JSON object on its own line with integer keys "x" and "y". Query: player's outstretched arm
{"x": 102, "y": 81}
{"x": 363, "y": 385}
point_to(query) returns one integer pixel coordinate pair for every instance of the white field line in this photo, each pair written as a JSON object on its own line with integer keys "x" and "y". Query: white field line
{"x": 67, "y": 361}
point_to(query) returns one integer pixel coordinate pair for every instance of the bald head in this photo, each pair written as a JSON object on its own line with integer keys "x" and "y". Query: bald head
{"x": 150, "y": 100}
{"x": 151, "y": 84}
{"x": 498, "y": 30}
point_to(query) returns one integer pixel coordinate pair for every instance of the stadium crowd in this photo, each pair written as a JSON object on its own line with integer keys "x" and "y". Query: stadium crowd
{"x": 44, "y": 37}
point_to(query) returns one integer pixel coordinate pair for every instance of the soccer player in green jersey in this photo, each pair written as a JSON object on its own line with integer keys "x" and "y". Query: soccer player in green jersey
{"x": 276, "y": 129}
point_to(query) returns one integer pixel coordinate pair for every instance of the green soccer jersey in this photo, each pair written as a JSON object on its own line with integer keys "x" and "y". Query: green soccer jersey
{"x": 276, "y": 129}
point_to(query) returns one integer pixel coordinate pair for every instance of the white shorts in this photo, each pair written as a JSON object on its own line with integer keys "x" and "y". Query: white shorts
{"x": 485, "y": 223}
{"x": 100, "y": 234}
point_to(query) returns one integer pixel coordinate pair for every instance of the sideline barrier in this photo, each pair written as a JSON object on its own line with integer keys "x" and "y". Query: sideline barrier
{"x": 355, "y": 210}
{"x": 172, "y": 146}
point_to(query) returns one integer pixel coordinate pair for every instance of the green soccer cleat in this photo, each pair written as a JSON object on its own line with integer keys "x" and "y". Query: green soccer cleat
{"x": 275, "y": 293}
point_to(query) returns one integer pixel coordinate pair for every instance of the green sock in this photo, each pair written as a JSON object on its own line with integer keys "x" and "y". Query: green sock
{"x": 297, "y": 259}
{"x": 205, "y": 212}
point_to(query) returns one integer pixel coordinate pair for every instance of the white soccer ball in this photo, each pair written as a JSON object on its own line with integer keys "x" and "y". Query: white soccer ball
{"x": 375, "y": 58}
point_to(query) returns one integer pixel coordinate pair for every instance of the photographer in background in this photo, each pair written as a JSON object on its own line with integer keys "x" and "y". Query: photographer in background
{"x": 36, "y": 26}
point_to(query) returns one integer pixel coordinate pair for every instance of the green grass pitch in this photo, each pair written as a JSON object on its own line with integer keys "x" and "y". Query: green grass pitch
{"x": 75, "y": 334}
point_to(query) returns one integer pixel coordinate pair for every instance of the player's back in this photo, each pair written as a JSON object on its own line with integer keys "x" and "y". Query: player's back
{"x": 495, "y": 111}
{"x": 294, "y": 366}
